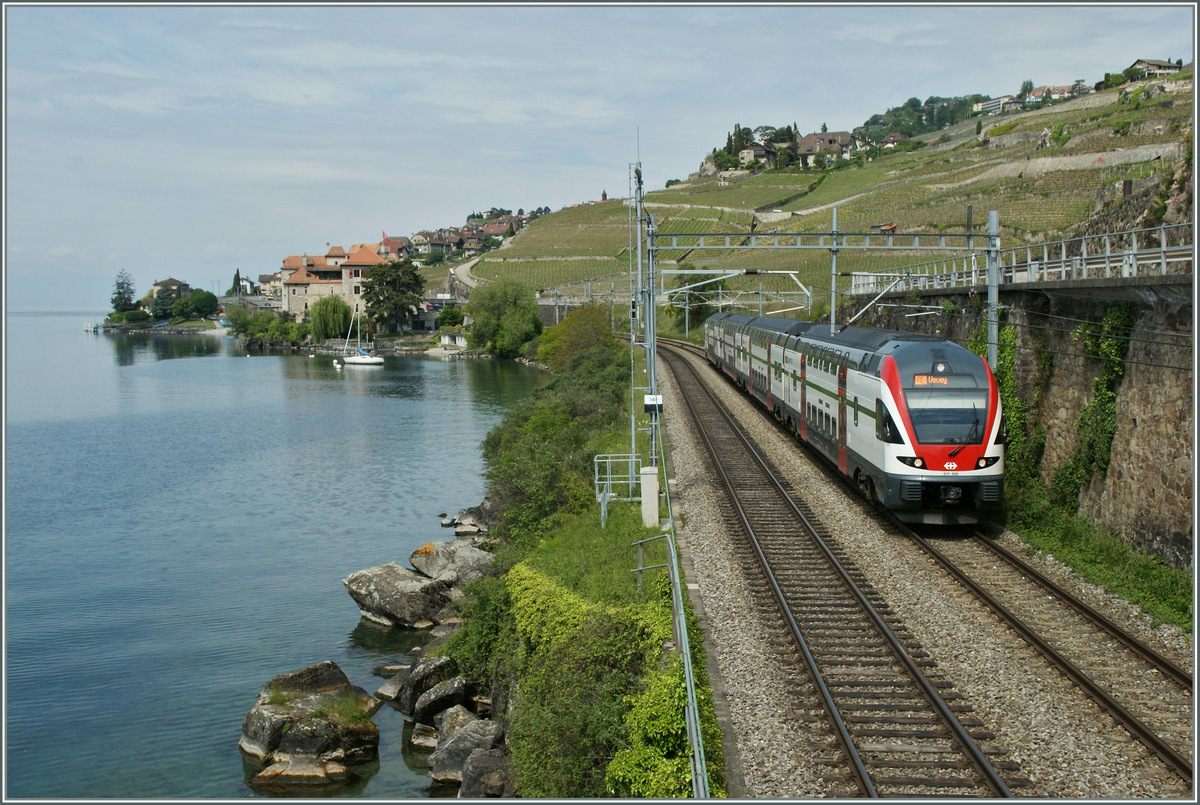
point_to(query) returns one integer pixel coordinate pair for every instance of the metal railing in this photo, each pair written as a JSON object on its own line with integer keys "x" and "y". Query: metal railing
{"x": 619, "y": 470}
{"x": 1131, "y": 253}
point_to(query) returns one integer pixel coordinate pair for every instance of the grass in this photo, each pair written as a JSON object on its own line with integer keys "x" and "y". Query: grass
{"x": 344, "y": 709}
{"x": 1163, "y": 592}
{"x": 280, "y": 696}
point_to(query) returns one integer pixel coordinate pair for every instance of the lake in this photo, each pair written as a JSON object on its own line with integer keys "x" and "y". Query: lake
{"x": 179, "y": 519}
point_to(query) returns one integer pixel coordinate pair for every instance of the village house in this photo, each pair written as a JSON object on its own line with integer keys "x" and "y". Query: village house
{"x": 830, "y": 144}
{"x": 307, "y": 279}
{"x": 179, "y": 289}
{"x": 891, "y": 140}
{"x": 757, "y": 152}
{"x": 997, "y": 106}
{"x": 400, "y": 248}
{"x": 1153, "y": 68}
{"x": 270, "y": 285}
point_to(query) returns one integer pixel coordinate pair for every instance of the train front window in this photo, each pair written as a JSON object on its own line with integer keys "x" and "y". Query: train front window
{"x": 946, "y": 391}
{"x": 947, "y": 416}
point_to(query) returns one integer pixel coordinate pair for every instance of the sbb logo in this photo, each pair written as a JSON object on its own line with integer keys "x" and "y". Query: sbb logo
{"x": 950, "y": 465}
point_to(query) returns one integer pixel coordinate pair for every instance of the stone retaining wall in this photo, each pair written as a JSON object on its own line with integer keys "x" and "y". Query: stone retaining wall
{"x": 1146, "y": 494}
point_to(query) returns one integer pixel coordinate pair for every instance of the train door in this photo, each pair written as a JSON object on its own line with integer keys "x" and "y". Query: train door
{"x": 803, "y": 395}
{"x": 841, "y": 426}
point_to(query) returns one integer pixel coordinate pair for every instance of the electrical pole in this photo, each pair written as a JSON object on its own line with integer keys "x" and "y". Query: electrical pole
{"x": 833, "y": 278}
{"x": 993, "y": 285}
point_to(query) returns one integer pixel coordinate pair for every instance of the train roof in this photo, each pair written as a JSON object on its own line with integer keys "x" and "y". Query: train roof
{"x": 864, "y": 338}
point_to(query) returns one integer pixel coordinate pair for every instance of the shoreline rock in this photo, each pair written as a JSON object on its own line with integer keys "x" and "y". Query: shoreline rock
{"x": 418, "y": 597}
{"x": 307, "y": 726}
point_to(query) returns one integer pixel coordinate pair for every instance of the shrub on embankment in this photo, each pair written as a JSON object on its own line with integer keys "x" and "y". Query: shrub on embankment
{"x": 578, "y": 659}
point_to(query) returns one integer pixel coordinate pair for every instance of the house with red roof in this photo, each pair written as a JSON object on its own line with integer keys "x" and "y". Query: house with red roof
{"x": 306, "y": 279}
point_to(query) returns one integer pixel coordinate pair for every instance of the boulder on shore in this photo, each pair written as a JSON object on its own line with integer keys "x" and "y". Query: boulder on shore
{"x": 396, "y": 596}
{"x": 305, "y": 724}
{"x": 441, "y": 696}
{"x": 447, "y": 761}
{"x": 485, "y": 774}
{"x": 452, "y": 562}
{"x": 425, "y": 674}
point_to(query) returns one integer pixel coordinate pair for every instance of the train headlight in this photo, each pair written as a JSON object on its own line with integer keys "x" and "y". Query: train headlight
{"x": 986, "y": 462}
{"x": 913, "y": 461}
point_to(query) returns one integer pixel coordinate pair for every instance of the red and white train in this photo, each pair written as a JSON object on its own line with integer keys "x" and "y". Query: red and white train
{"x": 914, "y": 419}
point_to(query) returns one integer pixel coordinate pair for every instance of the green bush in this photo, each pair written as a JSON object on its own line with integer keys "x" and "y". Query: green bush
{"x": 136, "y": 316}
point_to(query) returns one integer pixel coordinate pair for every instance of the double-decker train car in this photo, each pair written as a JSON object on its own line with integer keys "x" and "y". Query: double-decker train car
{"x": 913, "y": 419}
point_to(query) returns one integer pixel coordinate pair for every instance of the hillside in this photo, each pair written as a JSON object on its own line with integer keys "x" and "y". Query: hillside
{"x": 1046, "y": 172}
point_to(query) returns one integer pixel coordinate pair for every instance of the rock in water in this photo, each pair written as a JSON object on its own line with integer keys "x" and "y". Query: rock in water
{"x": 485, "y": 774}
{"x": 446, "y": 763}
{"x": 396, "y": 596}
{"x": 441, "y": 696}
{"x": 306, "y": 723}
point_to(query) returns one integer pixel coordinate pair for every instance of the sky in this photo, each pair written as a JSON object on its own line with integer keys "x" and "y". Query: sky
{"x": 195, "y": 141}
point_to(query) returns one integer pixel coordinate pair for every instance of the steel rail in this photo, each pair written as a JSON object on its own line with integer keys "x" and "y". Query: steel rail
{"x": 1155, "y": 659}
{"x": 861, "y": 776}
{"x": 1144, "y": 734}
{"x": 971, "y": 749}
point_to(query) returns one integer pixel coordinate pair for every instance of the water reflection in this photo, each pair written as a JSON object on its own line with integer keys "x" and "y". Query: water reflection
{"x": 135, "y": 347}
{"x": 374, "y": 640}
{"x": 354, "y": 785}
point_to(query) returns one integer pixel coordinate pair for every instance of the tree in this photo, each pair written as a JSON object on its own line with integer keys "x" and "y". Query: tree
{"x": 1026, "y": 88}
{"x": 390, "y": 292}
{"x": 330, "y": 317}
{"x": 183, "y": 309}
{"x": 495, "y": 330}
{"x": 824, "y": 128}
{"x": 1133, "y": 73}
{"x": 237, "y": 283}
{"x": 204, "y": 303}
{"x": 122, "y": 298}
{"x": 449, "y": 316}
{"x": 163, "y": 302}
{"x": 569, "y": 342}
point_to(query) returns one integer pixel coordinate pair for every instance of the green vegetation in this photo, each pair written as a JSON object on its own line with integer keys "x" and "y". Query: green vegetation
{"x": 1098, "y": 420}
{"x": 343, "y": 709}
{"x": 449, "y": 316}
{"x": 330, "y": 317}
{"x": 561, "y": 603}
{"x": 270, "y": 326}
{"x": 390, "y": 291}
{"x": 506, "y": 318}
{"x": 123, "y": 294}
{"x": 1047, "y": 518}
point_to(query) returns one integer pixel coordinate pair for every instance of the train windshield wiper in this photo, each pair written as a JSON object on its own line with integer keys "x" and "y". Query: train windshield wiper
{"x": 971, "y": 434}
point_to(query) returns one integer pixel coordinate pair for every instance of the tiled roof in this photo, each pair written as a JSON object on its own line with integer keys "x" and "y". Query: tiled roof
{"x": 365, "y": 256}
{"x": 303, "y": 277}
{"x": 336, "y": 251}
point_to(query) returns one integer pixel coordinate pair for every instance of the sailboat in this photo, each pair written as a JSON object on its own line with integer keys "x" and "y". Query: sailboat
{"x": 360, "y": 356}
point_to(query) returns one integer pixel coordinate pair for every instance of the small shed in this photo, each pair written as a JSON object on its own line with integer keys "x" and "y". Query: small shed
{"x": 453, "y": 339}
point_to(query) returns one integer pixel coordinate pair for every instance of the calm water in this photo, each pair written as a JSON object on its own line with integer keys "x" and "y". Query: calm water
{"x": 179, "y": 519}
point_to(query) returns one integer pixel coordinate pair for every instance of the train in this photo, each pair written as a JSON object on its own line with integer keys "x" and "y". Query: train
{"x": 914, "y": 420}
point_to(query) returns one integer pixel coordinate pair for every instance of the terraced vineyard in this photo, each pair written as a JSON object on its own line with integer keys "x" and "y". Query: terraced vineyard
{"x": 1041, "y": 194}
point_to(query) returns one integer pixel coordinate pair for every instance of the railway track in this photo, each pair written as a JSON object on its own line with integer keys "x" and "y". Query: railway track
{"x": 1148, "y": 695}
{"x": 898, "y": 730}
